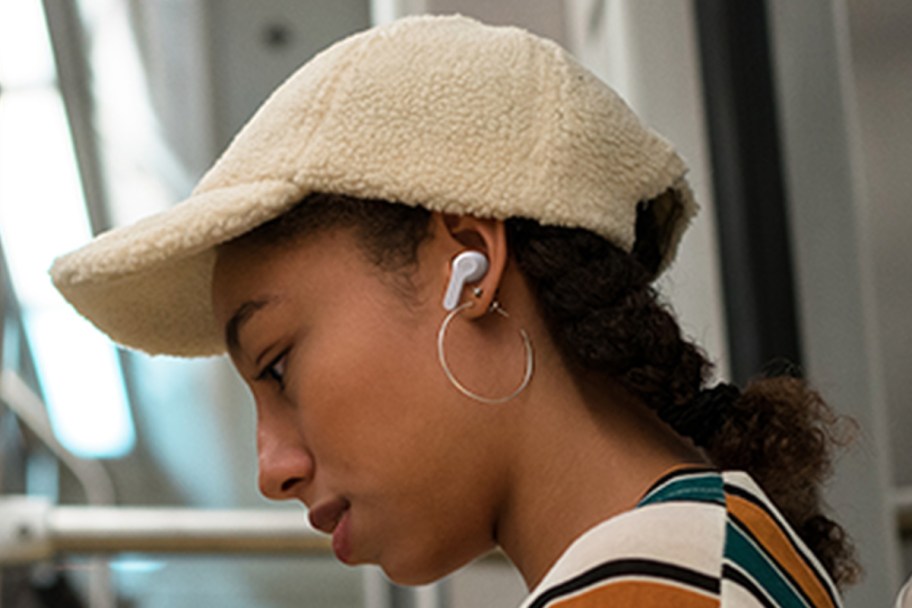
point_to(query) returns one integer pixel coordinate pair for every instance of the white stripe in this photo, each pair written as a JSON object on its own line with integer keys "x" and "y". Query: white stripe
{"x": 904, "y": 599}
{"x": 687, "y": 534}
{"x": 736, "y": 596}
{"x": 748, "y": 576}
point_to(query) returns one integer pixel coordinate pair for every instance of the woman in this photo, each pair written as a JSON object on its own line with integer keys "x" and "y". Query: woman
{"x": 430, "y": 255}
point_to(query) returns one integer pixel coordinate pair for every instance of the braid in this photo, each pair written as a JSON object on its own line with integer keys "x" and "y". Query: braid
{"x": 604, "y": 316}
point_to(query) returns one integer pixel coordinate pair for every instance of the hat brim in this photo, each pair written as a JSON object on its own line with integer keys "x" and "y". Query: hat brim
{"x": 157, "y": 273}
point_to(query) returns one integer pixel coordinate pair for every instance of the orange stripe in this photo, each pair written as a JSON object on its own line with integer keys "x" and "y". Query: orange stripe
{"x": 770, "y": 535}
{"x": 642, "y": 594}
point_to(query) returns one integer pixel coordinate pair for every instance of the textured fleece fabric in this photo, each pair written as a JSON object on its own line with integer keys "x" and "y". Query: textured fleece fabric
{"x": 441, "y": 112}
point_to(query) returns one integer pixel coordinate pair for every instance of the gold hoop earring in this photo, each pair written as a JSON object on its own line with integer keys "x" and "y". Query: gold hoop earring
{"x": 441, "y": 356}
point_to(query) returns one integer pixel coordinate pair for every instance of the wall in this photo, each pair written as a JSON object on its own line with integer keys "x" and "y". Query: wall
{"x": 881, "y": 53}
{"x": 830, "y": 213}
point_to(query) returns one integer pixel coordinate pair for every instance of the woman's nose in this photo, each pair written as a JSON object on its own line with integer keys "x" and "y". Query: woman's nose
{"x": 285, "y": 464}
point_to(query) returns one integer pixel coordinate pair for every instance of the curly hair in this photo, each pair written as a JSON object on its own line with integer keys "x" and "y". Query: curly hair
{"x": 604, "y": 315}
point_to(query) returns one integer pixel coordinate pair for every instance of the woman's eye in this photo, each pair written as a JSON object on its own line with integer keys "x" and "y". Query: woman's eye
{"x": 275, "y": 371}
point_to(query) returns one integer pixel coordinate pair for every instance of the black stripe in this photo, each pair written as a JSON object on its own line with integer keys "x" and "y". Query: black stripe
{"x": 782, "y": 569}
{"x": 736, "y": 577}
{"x": 629, "y": 567}
{"x": 739, "y": 491}
{"x": 793, "y": 538}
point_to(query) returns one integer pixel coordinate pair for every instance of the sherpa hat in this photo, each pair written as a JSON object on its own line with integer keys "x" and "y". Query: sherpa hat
{"x": 441, "y": 112}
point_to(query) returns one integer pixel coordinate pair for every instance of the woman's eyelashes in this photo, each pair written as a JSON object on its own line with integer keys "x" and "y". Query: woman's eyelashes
{"x": 275, "y": 370}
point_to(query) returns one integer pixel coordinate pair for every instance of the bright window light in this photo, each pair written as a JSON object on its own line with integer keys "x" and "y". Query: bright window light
{"x": 42, "y": 214}
{"x": 82, "y": 385}
{"x": 26, "y": 58}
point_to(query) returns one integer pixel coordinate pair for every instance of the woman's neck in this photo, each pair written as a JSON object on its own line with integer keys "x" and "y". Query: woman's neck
{"x": 582, "y": 456}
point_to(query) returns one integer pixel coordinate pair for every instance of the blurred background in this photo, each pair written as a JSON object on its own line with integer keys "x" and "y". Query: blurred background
{"x": 796, "y": 119}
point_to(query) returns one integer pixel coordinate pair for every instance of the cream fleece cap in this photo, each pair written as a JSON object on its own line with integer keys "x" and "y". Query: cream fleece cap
{"x": 441, "y": 112}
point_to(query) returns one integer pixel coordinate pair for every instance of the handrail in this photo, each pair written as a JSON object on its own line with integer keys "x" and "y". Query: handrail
{"x": 32, "y": 529}
{"x": 150, "y": 530}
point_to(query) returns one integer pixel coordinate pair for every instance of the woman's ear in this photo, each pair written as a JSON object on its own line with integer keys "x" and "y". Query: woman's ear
{"x": 487, "y": 236}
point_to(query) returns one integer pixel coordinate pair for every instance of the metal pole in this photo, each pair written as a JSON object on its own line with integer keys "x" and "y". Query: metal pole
{"x": 428, "y": 596}
{"x": 33, "y": 530}
{"x": 74, "y": 78}
{"x": 376, "y": 588}
{"x": 162, "y": 530}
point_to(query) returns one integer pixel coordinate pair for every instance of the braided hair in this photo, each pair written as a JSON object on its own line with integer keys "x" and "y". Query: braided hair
{"x": 605, "y": 316}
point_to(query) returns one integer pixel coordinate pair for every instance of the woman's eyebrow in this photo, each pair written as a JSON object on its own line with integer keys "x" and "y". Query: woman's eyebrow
{"x": 243, "y": 314}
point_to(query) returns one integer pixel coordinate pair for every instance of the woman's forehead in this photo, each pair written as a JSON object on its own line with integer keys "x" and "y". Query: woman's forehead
{"x": 248, "y": 269}
{"x": 254, "y": 270}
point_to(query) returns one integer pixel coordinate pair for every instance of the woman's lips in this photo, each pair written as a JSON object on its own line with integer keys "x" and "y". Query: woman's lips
{"x": 341, "y": 540}
{"x": 334, "y": 517}
{"x": 326, "y": 515}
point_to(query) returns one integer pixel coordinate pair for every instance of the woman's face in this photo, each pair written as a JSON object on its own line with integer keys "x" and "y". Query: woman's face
{"x": 354, "y": 416}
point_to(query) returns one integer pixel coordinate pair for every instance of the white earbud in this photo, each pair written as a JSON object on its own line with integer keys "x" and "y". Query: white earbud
{"x": 467, "y": 267}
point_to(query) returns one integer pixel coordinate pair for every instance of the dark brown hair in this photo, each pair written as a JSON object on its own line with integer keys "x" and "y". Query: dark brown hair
{"x": 604, "y": 315}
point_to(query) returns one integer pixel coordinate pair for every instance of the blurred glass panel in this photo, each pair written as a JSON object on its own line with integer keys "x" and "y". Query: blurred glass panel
{"x": 41, "y": 210}
{"x": 83, "y": 387}
{"x": 42, "y": 215}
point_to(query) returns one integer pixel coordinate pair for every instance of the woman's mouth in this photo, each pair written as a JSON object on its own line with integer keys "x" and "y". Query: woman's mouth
{"x": 333, "y": 517}
{"x": 341, "y": 540}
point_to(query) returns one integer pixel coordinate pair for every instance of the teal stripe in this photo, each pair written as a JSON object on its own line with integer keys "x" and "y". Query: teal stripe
{"x": 700, "y": 487}
{"x": 742, "y": 551}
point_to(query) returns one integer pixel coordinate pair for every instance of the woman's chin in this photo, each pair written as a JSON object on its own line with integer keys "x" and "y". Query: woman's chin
{"x": 412, "y": 577}
{"x": 414, "y": 573}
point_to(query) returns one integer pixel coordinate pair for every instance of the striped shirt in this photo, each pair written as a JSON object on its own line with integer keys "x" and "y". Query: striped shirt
{"x": 697, "y": 539}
